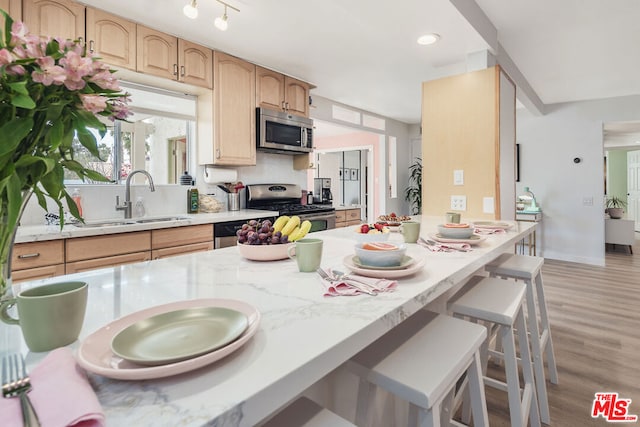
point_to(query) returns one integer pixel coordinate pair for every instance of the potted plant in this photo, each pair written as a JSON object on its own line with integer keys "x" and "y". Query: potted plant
{"x": 413, "y": 193}
{"x": 615, "y": 207}
{"x": 51, "y": 93}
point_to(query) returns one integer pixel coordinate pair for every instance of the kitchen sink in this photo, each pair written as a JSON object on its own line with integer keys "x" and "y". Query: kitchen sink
{"x": 116, "y": 222}
{"x": 163, "y": 219}
{"x": 112, "y": 223}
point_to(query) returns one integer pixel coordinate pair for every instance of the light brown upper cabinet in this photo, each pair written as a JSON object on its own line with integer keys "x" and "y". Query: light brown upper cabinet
{"x": 55, "y": 18}
{"x": 166, "y": 56}
{"x": 13, "y": 8}
{"x": 279, "y": 92}
{"x": 234, "y": 122}
{"x": 113, "y": 38}
{"x": 196, "y": 64}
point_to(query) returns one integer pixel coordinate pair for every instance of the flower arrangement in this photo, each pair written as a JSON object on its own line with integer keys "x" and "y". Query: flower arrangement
{"x": 51, "y": 92}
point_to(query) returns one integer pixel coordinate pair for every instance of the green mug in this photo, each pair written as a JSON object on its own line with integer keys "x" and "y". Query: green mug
{"x": 308, "y": 254}
{"x": 50, "y": 316}
{"x": 410, "y": 231}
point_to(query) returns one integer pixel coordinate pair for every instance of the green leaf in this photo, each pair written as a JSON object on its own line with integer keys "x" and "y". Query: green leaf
{"x": 88, "y": 140}
{"x": 8, "y": 22}
{"x": 14, "y": 200}
{"x": 13, "y": 132}
{"x": 23, "y": 101}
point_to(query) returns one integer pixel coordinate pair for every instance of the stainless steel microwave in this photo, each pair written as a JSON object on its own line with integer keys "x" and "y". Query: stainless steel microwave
{"x": 282, "y": 132}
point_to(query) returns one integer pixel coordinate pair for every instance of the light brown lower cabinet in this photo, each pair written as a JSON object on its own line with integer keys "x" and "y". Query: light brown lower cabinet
{"x": 181, "y": 250}
{"x": 347, "y": 217}
{"x": 40, "y": 260}
{"x": 112, "y": 261}
{"x": 37, "y": 260}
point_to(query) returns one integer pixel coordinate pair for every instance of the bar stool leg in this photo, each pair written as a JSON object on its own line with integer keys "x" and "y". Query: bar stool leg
{"x": 366, "y": 394}
{"x": 476, "y": 388}
{"x": 527, "y": 372}
{"x": 545, "y": 341}
{"x": 536, "y": 350}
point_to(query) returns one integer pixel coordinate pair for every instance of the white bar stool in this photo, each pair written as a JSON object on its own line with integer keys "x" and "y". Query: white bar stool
{"x": 529, "y": 270}
{"x": 420, "y": 361}
{"x": 305, "y": 412}
{"x": 500, "y": 302}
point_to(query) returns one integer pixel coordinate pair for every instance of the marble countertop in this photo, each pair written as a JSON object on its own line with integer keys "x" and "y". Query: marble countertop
{"x": 303, "y": 335}
{"x": 35, "y": 233}
{"x": 344, "y": 208}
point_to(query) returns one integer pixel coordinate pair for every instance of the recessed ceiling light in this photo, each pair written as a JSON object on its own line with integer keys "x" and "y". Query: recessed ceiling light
{"x": 428, "y": 39}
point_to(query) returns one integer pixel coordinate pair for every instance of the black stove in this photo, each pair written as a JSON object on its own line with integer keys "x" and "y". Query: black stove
{"x": 284, "y": 198}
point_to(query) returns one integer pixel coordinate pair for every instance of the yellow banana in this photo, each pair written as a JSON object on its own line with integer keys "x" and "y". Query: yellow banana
{"x": 280, "y": 223}
{"x": 293, "y": 234}
{"x": 301, "y": 232}
{"x": 293, "y": 222}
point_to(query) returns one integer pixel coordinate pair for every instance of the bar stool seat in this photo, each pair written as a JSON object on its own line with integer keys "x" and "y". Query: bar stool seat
{"x": 304, "y": 412}
{"x": 529, "y": 270}
{"x": 420, "y": 361}
{"x": 500, "y": 302}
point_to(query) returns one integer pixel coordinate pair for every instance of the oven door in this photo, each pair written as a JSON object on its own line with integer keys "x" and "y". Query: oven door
{"x": 320, "y": 221}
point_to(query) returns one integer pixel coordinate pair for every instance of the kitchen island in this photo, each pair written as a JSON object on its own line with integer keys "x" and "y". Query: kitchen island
{"x": 302, "y": 336}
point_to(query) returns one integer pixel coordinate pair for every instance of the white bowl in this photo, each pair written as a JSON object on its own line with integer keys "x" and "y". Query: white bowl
{"x": 370, "y": 237}
{"x": 455, "y": 233}
{"x": 264, "y": 252}
{"x": 380, "y": 258}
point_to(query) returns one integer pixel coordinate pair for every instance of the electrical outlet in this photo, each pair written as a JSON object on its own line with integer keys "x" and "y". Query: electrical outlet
{"x": 459, "y": 203}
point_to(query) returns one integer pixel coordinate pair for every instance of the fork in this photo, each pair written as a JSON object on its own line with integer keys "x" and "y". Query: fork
{"x": 16, "y": 382}
{"x": 360, "y": 286}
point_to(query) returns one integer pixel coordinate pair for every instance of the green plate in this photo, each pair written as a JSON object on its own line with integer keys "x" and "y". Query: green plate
{"x": 406, "y": 262}
{"x": 178, "y": 335}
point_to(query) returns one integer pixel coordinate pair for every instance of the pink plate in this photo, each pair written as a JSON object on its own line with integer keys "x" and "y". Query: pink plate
{"x": 95, "y": 353}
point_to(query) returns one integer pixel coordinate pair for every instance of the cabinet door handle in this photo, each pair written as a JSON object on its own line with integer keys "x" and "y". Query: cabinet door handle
{"x": 182, "y": 71}
{"x": 175, "y": 69}
{"x": 217, "y": 153}
{"x": 25, "y": 256}
{"x": 81, "y": 41}
{"x": 91, "y": 46}
{"x": 284, "y": 107}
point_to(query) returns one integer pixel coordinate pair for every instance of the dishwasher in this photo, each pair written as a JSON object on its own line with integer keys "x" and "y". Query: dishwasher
{"x": 224, "y": 233}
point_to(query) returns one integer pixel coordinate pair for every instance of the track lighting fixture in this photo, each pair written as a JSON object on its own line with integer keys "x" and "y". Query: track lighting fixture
{"x": 222, "y": 22}
{"x": 190, "y": 10}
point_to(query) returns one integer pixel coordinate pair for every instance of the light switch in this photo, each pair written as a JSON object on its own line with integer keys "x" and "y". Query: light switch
{"x": 487, "y": 205}
{"x": 458, "y": 177}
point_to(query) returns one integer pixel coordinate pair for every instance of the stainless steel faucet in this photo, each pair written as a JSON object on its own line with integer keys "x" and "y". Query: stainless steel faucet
{"x": 127, "y": 205}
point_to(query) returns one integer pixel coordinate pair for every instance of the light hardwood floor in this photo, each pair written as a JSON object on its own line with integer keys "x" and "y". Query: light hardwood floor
{"x": 595, "y": 325}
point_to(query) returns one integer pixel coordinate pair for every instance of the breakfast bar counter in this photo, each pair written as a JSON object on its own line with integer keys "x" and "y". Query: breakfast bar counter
{"x": 302, "y": 335}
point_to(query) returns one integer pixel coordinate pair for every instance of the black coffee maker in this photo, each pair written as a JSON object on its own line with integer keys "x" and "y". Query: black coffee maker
{"x": 322, "y": 191}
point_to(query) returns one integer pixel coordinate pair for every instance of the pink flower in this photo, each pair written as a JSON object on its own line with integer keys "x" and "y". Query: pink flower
{"x": 49, "y": 73}
{"x": 5, "y": 57}
{"x": 19, "y": 32}
{"x": 94, "y": 103}
{"x": 120, "y": 109}
{"x": 16, "y": 70}
{"x": 105, "y": 80}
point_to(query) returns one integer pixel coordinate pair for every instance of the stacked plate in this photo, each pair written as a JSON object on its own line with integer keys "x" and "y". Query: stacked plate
{"x": 407, "y": 267}
{"x": 169, "y": 339}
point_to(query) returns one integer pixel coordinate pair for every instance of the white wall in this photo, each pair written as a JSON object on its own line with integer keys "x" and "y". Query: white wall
{"x": 572, "y": 231}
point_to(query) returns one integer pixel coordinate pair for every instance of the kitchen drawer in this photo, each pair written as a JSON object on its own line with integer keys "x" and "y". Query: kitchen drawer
{"x": 354, "y": 222}
{"x": 341, "y": 216}
{"x": 180, "y": 236}
{"x": 181, "y": 250}
{"x": 353, "y": 214}
{"x": 85, "y": 248}
{"x": 37, "y": 254}
{"x": 113, "y": 261}
{"x": 38, "y": 273}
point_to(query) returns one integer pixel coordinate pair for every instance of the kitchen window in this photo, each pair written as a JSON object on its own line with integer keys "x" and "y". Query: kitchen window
{"x": 158, "y": 137}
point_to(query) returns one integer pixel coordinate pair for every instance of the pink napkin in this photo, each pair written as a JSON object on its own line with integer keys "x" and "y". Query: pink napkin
{"x": 61, "y": 395}
{"x": 485, "y": 231}
{"x": 353, "y": 284}
{"x": 445, "y": 247}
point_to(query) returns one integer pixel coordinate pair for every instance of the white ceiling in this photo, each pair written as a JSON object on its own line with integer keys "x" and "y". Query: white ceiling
{"x": 364, "y": 53}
